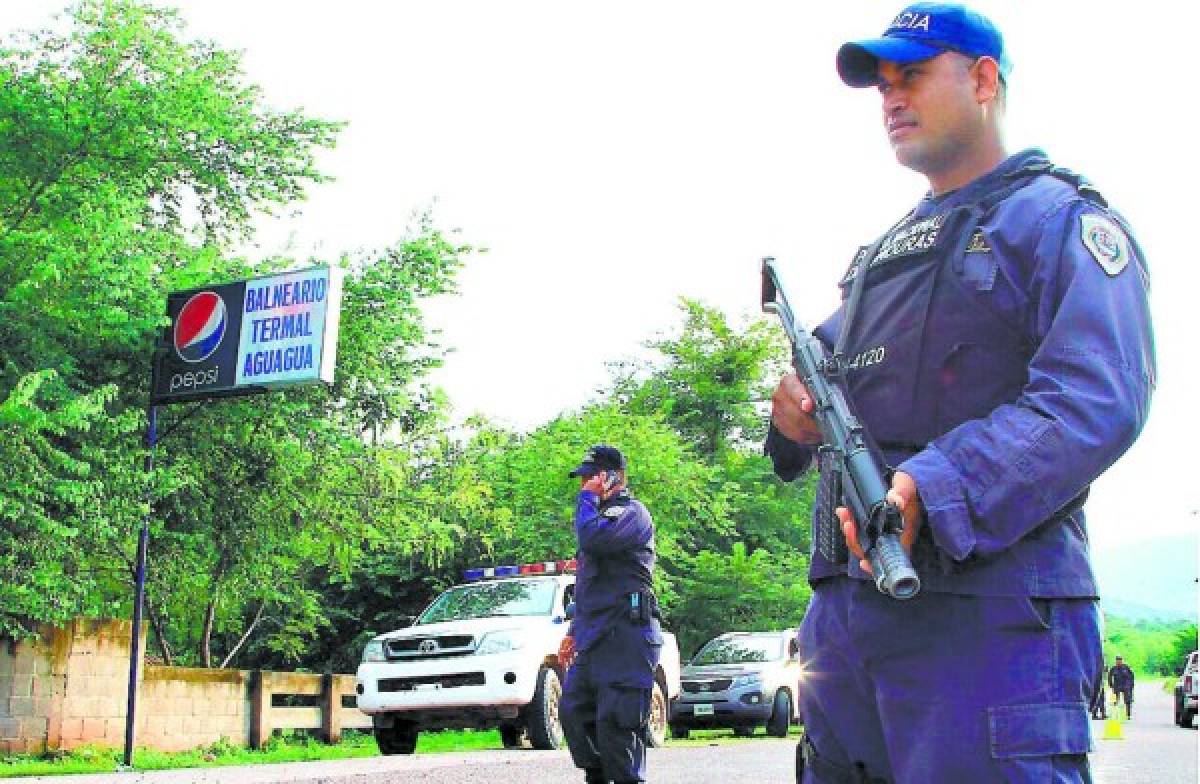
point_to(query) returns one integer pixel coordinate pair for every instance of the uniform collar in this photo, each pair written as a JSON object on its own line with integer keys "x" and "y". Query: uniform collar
{"x": 980, "y": 185}
{"x": 622, "y": 496}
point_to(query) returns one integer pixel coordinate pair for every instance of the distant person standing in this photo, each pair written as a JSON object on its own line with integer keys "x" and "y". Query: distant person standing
{"x": 1120, "y": 680}
{"x": 615, "y": 638}
{"x": 1098, "y": 709}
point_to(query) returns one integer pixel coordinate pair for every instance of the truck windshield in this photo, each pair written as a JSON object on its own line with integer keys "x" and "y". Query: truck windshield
{"x": 741, "y": 649}
{"x": 487, "y": 600}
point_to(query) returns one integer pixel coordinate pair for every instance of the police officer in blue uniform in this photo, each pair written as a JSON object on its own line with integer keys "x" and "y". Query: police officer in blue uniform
{"x": 996, "y": 343}
{"x": 605, "y": 706}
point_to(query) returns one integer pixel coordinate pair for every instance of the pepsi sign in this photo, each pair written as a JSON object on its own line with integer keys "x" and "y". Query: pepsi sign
{"x": 250, "y": 336}
{"x": 200, "y": 327}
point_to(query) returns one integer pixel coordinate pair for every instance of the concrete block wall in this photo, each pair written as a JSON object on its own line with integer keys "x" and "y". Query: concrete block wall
{"x": 66, "y": 688}
{"x": 96, "y": 685}
{"x": 69, "y": 688}
{"x": 181, "y": 708}
{"x": 28, "y": 689}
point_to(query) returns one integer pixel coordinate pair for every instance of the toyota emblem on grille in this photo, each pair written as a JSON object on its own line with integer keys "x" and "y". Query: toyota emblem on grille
{"x": 428, "y": 646}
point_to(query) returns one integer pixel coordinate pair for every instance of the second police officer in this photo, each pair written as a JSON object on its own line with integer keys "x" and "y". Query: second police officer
{"x": 998, "y": 348}
{"x": 615, "y": 638}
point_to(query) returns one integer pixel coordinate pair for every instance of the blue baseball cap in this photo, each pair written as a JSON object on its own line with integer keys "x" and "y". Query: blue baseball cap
{"x": 919, "y": 32}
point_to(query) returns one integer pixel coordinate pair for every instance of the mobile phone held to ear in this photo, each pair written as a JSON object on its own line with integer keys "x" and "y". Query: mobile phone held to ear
{"x": 610, "y": 480}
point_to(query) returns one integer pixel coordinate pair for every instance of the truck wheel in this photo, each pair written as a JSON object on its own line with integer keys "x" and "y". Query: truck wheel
{"x": 1179, "y": 708}
{"x": 1188, "y": 717}
{"x": 545, "y": 728}
{"x": 781, "y": 715}
{"x": 680, "y": 731}
{"x": 512, "y": 736}
{"x": 656, "y": 732}
{"x": 400, "y": 739}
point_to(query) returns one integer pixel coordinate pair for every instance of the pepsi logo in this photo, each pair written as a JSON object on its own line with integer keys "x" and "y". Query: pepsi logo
{"x": 200, "y": 326}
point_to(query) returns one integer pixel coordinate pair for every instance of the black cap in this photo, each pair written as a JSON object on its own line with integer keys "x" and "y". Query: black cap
{"x": 600, "y": 457}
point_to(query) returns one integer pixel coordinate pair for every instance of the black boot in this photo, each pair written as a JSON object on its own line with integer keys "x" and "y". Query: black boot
{"x": 594, "y": 776}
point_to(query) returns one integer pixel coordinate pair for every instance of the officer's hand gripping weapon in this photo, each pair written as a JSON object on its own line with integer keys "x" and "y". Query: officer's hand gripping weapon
{"x": 864, "y": 487}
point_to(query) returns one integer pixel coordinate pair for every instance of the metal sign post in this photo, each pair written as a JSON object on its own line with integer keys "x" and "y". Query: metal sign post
{"x": 140, "y": 593}
{"x": 234, "y": 339}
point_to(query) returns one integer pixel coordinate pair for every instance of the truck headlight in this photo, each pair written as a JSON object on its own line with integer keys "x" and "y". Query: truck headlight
{"x": 374, "y": 652}
{"x": 749, "y": 679}
{"x": 499, "y": 642}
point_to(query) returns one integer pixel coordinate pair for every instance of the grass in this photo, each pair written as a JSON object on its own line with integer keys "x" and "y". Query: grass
{"x": 285, "y": 748}
{"x": 722, "y": 737}
{"x": 96, "y": 759}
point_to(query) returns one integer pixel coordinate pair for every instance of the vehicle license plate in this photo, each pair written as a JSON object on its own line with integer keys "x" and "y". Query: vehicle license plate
{"x": 427, "y": 686}
{"x": 702, "y": 710}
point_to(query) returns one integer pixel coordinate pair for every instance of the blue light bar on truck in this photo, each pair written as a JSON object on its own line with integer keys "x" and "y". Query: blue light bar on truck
{"x": 541, "y": 567}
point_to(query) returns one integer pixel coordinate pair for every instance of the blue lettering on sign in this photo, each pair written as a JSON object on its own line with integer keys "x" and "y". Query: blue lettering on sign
{"x": 292, "y": 325}
{"x": 280, "y": 360}
{"x": 282, "y": 295}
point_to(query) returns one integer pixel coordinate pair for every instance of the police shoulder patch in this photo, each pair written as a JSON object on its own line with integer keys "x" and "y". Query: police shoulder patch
{"x": 1105, "y": 241}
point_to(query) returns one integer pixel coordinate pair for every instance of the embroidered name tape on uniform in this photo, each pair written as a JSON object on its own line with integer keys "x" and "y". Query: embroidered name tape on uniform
{"x": 915, "y": 238}
{"x": 1107, "y": 243}
{"x": 907, "y": 240}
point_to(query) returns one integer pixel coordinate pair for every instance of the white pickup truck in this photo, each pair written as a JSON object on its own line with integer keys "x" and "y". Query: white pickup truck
{"x": 1186, "y": 690}
{"x": 485, "y": 654}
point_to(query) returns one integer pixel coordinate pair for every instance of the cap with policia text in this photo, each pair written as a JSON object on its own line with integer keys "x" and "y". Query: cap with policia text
{"x": 919, "y": 32}
{"x": 600, "y": 457}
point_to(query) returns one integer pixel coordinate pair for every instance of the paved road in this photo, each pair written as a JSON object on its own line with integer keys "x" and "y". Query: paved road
{"x": 745, "y": 762}
{"x": 1153, "y": 751}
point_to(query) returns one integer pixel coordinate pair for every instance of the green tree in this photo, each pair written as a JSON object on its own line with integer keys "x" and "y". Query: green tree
{"x": 708, "y": 380}
{"x": 131, "y": 161}
{"x": 738, "y": 591}
{"x": 1184, "y": 642}
{"x": 710, "y": 383}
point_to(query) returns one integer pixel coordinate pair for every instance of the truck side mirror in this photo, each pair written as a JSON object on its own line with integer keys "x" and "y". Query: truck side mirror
{"x": 407, "y": 620}
{"x": 570, "y": 611}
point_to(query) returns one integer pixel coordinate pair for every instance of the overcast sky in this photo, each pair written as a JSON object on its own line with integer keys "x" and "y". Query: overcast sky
{"x": 615, "y": 156}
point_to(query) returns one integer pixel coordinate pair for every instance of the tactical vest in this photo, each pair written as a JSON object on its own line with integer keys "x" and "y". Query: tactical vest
{"x": 922, "y": 348}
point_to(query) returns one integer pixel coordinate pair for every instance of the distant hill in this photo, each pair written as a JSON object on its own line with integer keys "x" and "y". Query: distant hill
{"x": 1152, "y": 579}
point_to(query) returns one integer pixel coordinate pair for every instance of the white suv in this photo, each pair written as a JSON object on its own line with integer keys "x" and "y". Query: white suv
{"x": 1186, "y": 689}
{"x": 485, "y": 654}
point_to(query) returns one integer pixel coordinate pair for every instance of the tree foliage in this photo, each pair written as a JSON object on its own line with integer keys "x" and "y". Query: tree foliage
{"x": 286, "y": 529}
{"x": 132, "y": 161}
{"x": 1149, "y": 646}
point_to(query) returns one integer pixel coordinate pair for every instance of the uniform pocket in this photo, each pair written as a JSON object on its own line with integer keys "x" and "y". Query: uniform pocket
{"x": 1042, "y": 730}
{"x": 979, "y": 271}
{"x": 628, "y": 709}
{"x": 1034, "y": 742}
